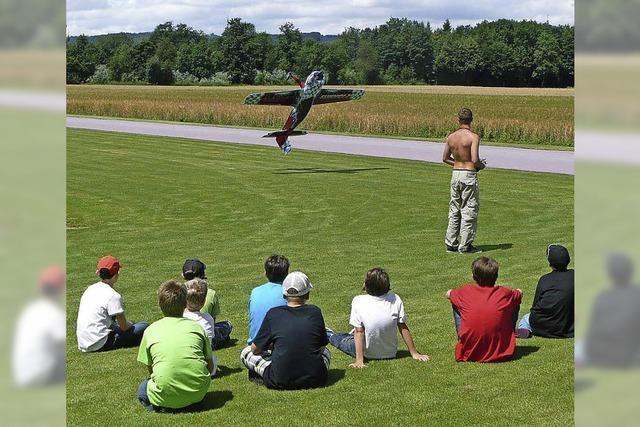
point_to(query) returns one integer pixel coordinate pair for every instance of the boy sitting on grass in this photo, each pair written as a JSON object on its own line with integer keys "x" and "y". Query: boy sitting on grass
{"x": 192, "y": 269}
{"x": 296, "y": 333}
{"x": 177, "y": 353}
{"x": 552, "y": 310}
{"x": 196, "y": 292}
{"x": 485, "y": 315}
{"x": 375, "y": 316}
{"x": 102, "y": 324}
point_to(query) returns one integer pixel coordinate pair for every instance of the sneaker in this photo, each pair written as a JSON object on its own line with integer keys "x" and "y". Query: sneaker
{"x": 523, "y": 333}
{"x": 470, "y": 249}
{"x": 452, "y": 249}
{"x": 329, "y": 332}
{"x": 286, "y": 148}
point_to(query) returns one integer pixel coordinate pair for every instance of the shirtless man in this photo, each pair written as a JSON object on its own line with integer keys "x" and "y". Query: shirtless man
{"x": 461, "y": 150}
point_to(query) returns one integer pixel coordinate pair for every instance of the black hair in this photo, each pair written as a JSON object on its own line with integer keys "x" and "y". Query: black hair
{"x": 104, "y": 273}
{"x": 276, "y": 268}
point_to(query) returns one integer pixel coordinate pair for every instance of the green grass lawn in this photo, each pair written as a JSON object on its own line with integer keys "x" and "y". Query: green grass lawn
{"x": 154, "y": 202}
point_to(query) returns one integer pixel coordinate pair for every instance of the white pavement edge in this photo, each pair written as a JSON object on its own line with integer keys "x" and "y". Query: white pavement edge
{"x": 532, "y": 160}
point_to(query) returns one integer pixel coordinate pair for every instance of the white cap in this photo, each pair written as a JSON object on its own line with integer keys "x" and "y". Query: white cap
{"x": 296, "y": 284}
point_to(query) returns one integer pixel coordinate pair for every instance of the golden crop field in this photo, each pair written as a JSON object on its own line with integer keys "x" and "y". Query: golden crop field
{"x": 504, "y": 115}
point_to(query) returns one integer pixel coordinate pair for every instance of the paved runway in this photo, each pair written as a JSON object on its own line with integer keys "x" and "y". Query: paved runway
{"x": 497, "y": 157}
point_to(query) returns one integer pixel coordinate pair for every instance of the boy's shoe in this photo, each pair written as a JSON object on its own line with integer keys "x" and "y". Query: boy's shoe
{"x": 255, "y": 378}
{"x": 470, "y": 249}
{"x": 452, "y": 249}
{"x": 286, "y": 148}
{"x": 329, "y": 332}
{"x": 523, "y": 333}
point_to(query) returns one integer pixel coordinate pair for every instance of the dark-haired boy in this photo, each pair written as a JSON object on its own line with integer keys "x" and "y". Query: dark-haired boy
{"x": 102, "y": 324}
{"x": 376, "y": 318}
{"x": 177, "y": 353}
{"x": 264, "y": 297}
{"x": 485, "y": 315}
{"x": 296, "y": 332}
{"x": 552, "y": 310}
{"x": 195, "y": 269}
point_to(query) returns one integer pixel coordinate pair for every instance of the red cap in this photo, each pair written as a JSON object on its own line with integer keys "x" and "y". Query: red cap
{"x": 110, "y": 263}
{"x": 52, "y": 277}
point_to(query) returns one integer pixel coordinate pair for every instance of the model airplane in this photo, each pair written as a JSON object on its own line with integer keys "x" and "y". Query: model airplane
{"x": 310, "y": 93}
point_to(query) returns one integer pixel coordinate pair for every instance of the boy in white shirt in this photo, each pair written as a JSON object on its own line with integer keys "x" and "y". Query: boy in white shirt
{"x": 375, "y": 317}
{"x": 196, "y": 295}
{"x": 102, "y": 324}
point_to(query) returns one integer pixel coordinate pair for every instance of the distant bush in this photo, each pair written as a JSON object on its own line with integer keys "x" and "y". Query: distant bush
{"x": 275, "y": 77}
{"x": 101, "y": 76}
{"x": 185, "y": 79}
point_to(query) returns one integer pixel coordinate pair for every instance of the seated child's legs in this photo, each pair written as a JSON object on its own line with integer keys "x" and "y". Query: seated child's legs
{"x": 222, "y": 331}
{"x": 523, "y": 330}
{"x": 457, "y": 320}
{"x": 343, "y": 342}
{"x": 326, "y": 357}
{"x": 256, "y": 362}
{"x": 131, "y": 337}
{"x": 142, "y": 396}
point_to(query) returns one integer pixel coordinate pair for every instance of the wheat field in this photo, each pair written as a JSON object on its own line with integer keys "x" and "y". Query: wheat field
{"x": 503, "y": 115}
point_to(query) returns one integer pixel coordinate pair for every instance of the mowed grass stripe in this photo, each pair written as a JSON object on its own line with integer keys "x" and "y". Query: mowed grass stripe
{"x": 155, "y": 201}
{"x": 538, "y": 118}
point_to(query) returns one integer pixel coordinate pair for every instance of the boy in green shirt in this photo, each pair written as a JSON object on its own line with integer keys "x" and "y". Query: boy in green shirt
{"x": 177, "y": 352}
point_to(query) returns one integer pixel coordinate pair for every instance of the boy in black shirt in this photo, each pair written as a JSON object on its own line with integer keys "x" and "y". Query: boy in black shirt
{"x": 552, "y": 311}
{"x": 290, "y": 351}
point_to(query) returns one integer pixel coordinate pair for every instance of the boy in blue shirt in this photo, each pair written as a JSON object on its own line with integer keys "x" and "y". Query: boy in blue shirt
{"x": 265, "y": 297}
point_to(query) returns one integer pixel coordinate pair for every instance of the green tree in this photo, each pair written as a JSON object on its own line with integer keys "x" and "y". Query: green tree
{"x": 309, "y": 58}
{"x": 121, "y": 61}
{"x": 80, "y": 60}
{"x": 159, "y": 72}
{"x": 288, "y": 45}
{"x": 547, "y": 60}
{"x": 195, "y": 58}
{"x": 239, "y": 49}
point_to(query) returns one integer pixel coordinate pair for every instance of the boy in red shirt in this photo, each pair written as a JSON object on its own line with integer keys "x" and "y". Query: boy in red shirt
{"x": 485, "y": 315}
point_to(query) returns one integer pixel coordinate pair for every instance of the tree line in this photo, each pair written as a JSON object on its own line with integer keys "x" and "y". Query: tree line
{"x": 400, "y": 51}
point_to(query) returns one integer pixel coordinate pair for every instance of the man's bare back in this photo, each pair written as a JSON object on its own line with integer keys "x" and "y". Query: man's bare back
{"x": 462, "y": 149}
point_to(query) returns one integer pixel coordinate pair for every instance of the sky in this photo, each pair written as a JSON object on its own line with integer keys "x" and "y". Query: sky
{"x": 92, "y": 17}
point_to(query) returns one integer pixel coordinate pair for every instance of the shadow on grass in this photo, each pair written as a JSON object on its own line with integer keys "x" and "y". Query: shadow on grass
{"x": 524, "y": 351}
{"x": 224, "y": 371}
{"x": 403, "y": 354}
{"x": 212, "y": 400}
{"x": 321, "y": 170}
{"x": 335, "y": 375}
{"x": 231, "y": 343}
{"x": 500, "y": 247}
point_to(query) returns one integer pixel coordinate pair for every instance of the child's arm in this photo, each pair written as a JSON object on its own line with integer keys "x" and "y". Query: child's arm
{"x": 448, "y": 294}
{"x": 359, "y": 341}
{"x": 123, "y": 324}
{"x": 408, "y": 340}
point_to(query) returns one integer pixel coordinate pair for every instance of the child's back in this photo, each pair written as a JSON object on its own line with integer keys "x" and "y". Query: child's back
{"x": 178, "y": 350}
{"x": 487, "y": 322}
{"x": 204, "y": 320}
{"x": 379, "y": 316}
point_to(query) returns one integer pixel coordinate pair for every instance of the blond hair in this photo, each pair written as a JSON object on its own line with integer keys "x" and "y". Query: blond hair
{"x": 196, "y": 293}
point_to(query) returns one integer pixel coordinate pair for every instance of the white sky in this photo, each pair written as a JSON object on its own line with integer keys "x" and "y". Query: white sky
{"x": 325, "y": 16}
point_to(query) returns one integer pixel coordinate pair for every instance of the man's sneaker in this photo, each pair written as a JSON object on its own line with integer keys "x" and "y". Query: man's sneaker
{"x": 470, "y": 249}
{"x": 286, "y": 148}
{"x": 452, "y": 249}
{"x": 329, "y": 332}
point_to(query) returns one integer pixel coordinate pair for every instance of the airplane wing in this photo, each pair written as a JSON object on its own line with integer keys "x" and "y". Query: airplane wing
{"x": 289, "y": 97}
{"x": 338, "y": 95}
